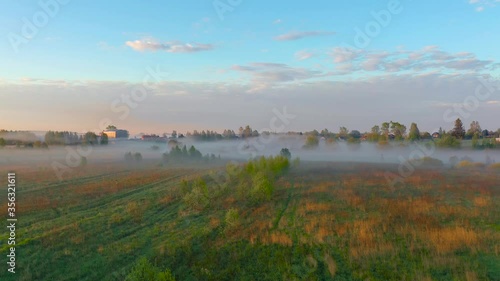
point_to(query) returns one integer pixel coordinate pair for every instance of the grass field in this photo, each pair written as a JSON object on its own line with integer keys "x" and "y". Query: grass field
{"x": 325, "y": 221}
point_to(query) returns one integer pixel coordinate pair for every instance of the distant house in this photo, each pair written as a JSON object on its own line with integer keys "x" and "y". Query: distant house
{"x": 116, "y": 134}
{"x": 497, "y": 139}
{"x": 436, "y": 135}
{"x": 153, "y": 137}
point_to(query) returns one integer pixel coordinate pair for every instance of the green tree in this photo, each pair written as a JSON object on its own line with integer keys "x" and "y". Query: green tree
{"x": 262, "y": 188}
{"x": 374, "y": 134}
{"x": 111, "y": 127}
{"x": 475, "y": 140}
{"x": 104, "y": 139}
{"x": 138, "y": 157}
{"x": 458, "y": 131}
{"x": 343, "y": 133}
{"x": 474, "y": 128}
{"x": 2, "y": 142}
{"x": 385, "y": 128}
{"x": 90, "y": 138}
{"x": 194, "y": 153}
{"x": 414, "y": 133}
{"x": 355, "y": 134}
{"x": 286, "y": 153}
{"x": 399, "y": 130}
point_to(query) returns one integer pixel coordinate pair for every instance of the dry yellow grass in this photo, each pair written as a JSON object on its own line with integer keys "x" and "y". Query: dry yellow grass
{"x": 320, "y": 188}
{"x": 331, "y": 265}
{"x": 449, "y": 239}
{"x": 480, "y": 201}
{"x": 316, "y": 207}
{"x": 214, "y": 222}
{"x": 166, "y": 199}
{"x": 277, "y": 238}
{"x": 458, "y": 211}
{"x": 471, "y": 276}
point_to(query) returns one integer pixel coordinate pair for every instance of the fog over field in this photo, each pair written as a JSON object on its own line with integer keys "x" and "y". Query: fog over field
{"x": 241, "y": 150}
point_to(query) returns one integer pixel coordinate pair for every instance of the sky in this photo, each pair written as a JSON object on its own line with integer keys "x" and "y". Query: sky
{"x": 158, "y": 66}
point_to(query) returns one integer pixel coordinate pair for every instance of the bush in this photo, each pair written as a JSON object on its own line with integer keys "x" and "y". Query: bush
{"x": 197, "y": 197}
{"x": 469, "y": 164}
{"x": 312, "y": 141}
{"x": 428, "y": 162}
{"x": 145, "y": 271}
{"x": 448, "y": 141}
{"x": 262, "y": 189}
{"x": 232, "y": 219}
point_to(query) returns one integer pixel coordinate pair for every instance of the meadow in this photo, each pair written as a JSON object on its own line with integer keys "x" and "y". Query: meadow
{"x": 316, "y": 221}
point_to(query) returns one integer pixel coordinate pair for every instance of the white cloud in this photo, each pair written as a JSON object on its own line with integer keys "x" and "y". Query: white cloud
{"x": 267, "y": 75}
{"x": 296, "y": 35}
{"x": 483, "y": 4}
{"x": 171, "y": 47}
{"x": 303, "y": 55}
{"x": 427, "y": 59}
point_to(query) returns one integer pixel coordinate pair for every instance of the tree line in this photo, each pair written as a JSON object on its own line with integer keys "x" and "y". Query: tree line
{"x": 395, "y": 131}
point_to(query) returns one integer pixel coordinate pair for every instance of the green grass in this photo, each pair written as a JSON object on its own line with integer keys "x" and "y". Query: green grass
{"x": 324, "y": 221}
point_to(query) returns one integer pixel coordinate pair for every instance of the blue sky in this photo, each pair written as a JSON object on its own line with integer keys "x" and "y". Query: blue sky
{"x": 246, "y": 55}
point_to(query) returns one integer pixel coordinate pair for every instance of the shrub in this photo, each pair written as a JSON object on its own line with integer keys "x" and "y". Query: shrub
{"x": 426, "y": 162}
{"x": 197, "y": 198}
{"x": 330, "y": 141}
{"x": 312, "y": 141}
{"x": 353, "y": 140}
{"x": 232, "y": 218}
{"x": 448, "y": 141}
{"x": 145, "y": 271}
{"x": 469, "y": 164}
{"x": 262, "y": 189}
